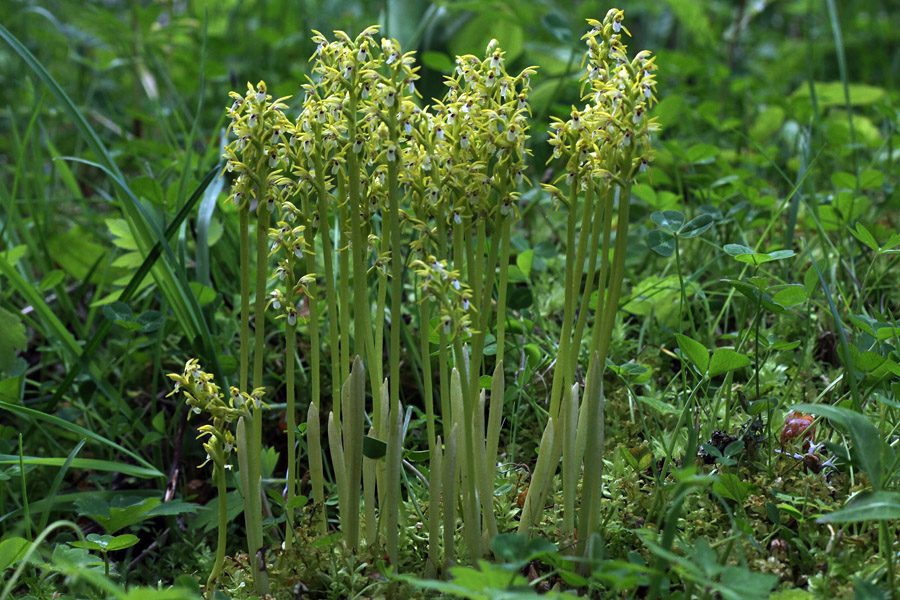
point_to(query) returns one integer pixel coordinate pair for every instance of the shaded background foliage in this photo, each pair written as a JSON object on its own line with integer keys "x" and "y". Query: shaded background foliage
{"x": 751, "y": 91}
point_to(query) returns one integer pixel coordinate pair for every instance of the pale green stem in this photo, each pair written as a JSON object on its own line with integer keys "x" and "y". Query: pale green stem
{"x": 330, "y": 295}
{"x": 434, "y": 503}
{"x": 245, "y": 296}
{"x": 221, "y": 488}
{"x": 344, "y": 246}
{"x": 449, "y": 495}
{"x": 565, "y": 336}
{"x": 316, "y": 470}
{"x": 289, "y": 353}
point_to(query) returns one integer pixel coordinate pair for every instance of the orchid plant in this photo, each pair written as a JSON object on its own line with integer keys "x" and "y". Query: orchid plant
{"x": 381, "y": 200}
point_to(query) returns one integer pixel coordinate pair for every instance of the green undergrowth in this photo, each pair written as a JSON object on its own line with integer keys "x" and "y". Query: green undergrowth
{"x": 743, "y": 344}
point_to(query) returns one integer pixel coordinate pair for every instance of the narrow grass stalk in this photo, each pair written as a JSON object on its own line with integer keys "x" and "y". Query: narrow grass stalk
{"x": 344, "y": 249}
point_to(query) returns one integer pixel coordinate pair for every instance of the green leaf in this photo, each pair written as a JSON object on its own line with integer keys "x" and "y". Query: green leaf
{"x": 868, "y": 506}
{"x": 473, "y": 38}
{"x": 886, "y": 333}
{"x": 12, "y": 549}
{"x": 733, "y": 487}
{"x": 767, "y": 123}
{"x": 662, "y": 407}
{"x": 696, "y": 226}
{"x": 701, "y": 153}
{"x": 831, "y": 93}
{"x": 374, "y": 448}
{"x": 77, "y": 252}
{"x": 726, "y": 359}
{"x": 147, "y": 469}
{"x": 866, "y": 439}
{"x": 524, "y": 261}
{"x": 695, "y": 351}
{"x": 789, "y": 295}
{"x": 668, "y": 220}
{"x": 843, "y": 180}
{"x": 865, "y": 236}
{"x": 661, "y": 242}
{"x": 437, "y": 61}
{"x": 51, "y": 280}
{"x": 870, "y": 179}
{"x": 12, "y": 338}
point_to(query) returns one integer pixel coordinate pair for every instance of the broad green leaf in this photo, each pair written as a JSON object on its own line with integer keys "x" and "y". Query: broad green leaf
{"x": 670, "y": 110}
{"x": 524, "y": 261}
{"x": 726, "y": 359}
{"x": 436, "y": 61}
{"x": 695, "y": 351}
{"x": 701, "y": 153}
{"x": 871, "y": 179}
{"x": 843, "y": 180}
{"x": 473, "y": 38}
{"x": 887, "y": 333}
{"x": 767, "y": 123}
{"x": 789, "y": 295}
{"x": 696, "y": 226}
{"x": 866, "y": 439}
{"x": 12, "y": 338}
{"x": 12, "y": 549}
{"x": 374, "y": 448}
{"x": 829, "y": 94}
{"x": 662, "y": 242}
{"x": 868, "y": 506}
{"x": 668, "y": 220}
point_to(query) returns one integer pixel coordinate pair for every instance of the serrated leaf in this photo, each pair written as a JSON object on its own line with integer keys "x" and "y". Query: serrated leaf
{"x": 864, "y": 236}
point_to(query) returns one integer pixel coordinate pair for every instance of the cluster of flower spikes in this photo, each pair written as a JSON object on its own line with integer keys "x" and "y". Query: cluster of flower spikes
{"x": 291, "y": 242}
{"x": 610, "y": 137}
{"x": 259, "y": 125}
{"x": 468, "y": 157}
{"x": 202, "y": 395}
